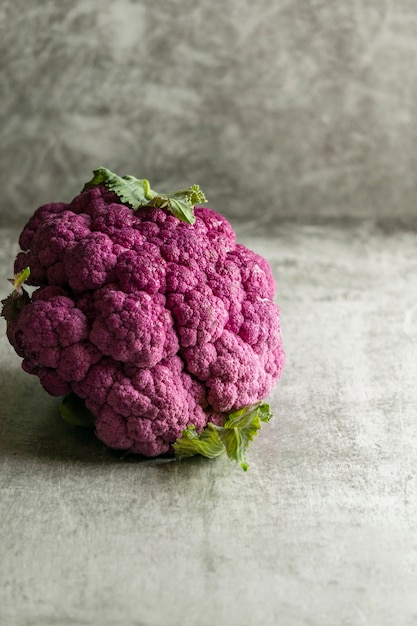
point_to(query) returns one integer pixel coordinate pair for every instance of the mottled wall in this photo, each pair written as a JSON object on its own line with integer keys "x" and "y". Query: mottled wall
{"x": 286, "y": 107}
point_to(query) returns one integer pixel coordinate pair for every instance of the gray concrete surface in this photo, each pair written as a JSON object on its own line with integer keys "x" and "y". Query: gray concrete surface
{"x": 321, "y": 531}
{"x": 275, "y": 106}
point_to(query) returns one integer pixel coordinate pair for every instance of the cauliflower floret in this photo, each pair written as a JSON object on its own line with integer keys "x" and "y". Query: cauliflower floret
{"x": 133, "y": 329}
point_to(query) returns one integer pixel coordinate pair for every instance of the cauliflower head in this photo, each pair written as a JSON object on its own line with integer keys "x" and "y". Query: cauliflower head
{"x": 150, "y": 315}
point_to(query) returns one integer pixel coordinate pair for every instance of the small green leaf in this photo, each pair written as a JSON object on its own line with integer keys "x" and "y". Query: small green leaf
{"x": 207, "y": 443}
{"x": 130, "y": 190}
{"x": 73, "y": 411}
{"x": 181, "y": 203}
{"x": 14, "y": 303}
{"x": 137, "y": 193}
{"x": 18, "y": 280}
{"x": 240, "y": 429}
{"x": 233, "y": 437}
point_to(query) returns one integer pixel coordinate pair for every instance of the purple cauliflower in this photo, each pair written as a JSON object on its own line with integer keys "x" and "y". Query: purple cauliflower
{"x": 154, "y": 322}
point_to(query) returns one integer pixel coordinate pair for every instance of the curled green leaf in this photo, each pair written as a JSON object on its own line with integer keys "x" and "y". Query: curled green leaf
{"x": 132, "y": 191}
{"x": 19, "y": 279}
{"x": 12, "y": 305}
{"x": 233, "y": 438}
{"x": 207, "y": 443}
{"x": 137, "y": 193}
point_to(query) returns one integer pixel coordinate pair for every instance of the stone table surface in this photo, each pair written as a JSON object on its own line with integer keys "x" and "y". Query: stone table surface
{"x": 322, "y": 529}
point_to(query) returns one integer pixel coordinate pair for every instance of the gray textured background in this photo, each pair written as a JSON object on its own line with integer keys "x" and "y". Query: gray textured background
{"x": 286, "y": 107}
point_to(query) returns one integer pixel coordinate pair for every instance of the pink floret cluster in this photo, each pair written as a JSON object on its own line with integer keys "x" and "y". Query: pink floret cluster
{"x": 157, "y": 324}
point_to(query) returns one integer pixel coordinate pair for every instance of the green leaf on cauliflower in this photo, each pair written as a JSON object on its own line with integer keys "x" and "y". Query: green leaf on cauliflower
{"x": 73, "y": 411}
{"x": 19, "y": 279}
{"x": 14, "y": 303}
{"x": 207, "y": 443}
{"x": 240, "y": 429}
{"x": 137, "y": 193}
{"x": 232, "y": 438}
{"x": 180, "y": 203}
{"x": 132, "y": 191}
